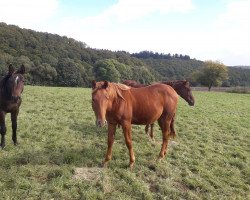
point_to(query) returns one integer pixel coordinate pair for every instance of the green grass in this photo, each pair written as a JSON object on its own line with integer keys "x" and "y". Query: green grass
{"x": 57, "y": 133}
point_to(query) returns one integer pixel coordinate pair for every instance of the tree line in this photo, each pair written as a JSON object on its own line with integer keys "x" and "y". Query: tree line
{"x": 56, "y": 60}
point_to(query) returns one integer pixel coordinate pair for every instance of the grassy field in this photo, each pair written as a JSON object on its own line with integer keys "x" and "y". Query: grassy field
{"x": 61, "y": 150}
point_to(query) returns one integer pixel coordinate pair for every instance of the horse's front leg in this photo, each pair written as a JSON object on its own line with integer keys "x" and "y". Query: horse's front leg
{"x": 111, "y": 138}
{"x": 14, "y": 126}
{"x": 3, "y": 129}
{"x": 128, "y": 139}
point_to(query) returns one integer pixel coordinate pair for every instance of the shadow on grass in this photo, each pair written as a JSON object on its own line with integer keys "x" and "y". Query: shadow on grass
{"x": 87, "y": 156}
{"x": 89, "y": 150}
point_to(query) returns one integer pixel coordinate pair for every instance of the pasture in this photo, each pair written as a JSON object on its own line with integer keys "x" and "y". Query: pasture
{"x": 61, "y": 150}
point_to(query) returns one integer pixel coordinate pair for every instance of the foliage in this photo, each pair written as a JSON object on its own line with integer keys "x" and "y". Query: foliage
{"x": 172, "y": 69}
{"x": 106, "y": 70}
{"x": 212, "y": 74}
{"x": 156, "y": 55}
{"x": 57, "y": 134}
{"x": 48, "y": 57}
{"x": 239, "y": 76}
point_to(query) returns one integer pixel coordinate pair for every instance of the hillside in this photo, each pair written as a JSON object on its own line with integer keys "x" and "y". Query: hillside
{"x": 56, "y": 60}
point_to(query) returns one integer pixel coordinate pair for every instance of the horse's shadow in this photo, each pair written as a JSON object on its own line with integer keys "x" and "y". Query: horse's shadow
{"x": 89, "y": 153}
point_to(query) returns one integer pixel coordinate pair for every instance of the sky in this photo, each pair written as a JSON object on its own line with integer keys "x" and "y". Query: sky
{"x": 216, "y": 30}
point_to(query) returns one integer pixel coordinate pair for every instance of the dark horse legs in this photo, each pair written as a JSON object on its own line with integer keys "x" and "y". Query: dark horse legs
{"x": 14, "y": 126}
{"x": 3, "y": 129}
{"x": 151, "y": 134}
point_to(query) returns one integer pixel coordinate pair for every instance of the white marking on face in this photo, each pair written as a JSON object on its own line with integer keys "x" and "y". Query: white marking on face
{"x": 16, "y": 80}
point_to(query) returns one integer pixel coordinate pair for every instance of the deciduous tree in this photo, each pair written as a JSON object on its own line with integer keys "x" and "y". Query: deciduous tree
{"x": 212, "y": 74}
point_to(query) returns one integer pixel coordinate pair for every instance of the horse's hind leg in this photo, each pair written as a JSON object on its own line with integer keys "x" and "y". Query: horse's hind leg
{"x": 111, "y": 138}
{"x": 152, "y": 131}
{"x": 14, "y": 126}
{"x": 3, "y": 129}
{"x": 151, "y": 134}
{"x": 146, "y": 129}
{"x": 164, "y": 123}
{"x": 172, "y": 130}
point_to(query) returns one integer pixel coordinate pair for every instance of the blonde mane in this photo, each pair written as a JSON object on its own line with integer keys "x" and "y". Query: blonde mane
{"x": 117, "y": 88}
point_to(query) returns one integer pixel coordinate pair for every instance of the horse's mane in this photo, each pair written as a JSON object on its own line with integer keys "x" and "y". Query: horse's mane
{"x": 118, "y": 88}
{"x": 122, "y": 86}
{"x": 5, "y": 87}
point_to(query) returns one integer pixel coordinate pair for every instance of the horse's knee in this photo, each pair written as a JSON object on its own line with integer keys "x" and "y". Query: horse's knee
{"x": 3, "y": 130}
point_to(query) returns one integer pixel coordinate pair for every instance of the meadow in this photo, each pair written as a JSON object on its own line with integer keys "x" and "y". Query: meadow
{"x": 61, "y": 151}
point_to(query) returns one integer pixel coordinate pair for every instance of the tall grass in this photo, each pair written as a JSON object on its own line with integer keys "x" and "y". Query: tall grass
{"x": 57, "y": 134}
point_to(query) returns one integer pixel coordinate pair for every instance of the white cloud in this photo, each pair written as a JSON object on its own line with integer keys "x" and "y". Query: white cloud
{"x": 128, "y": 10}
{"x": 119, "y": 27}
{"x": 232, "y": 32}
{"x": 27, "y": 13}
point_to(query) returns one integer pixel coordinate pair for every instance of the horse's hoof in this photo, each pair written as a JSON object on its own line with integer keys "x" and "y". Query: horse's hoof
{"x": 2, "y": 147}
{"x": 159, "y": 159}
{"x": 131, "y": 166}
{"x": 105, "y": 164}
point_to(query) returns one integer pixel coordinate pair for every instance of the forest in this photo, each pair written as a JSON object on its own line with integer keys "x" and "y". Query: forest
{"x": 55, "y": 60}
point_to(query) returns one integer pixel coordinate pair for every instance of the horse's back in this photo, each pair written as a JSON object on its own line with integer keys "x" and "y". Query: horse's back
{"x": 148, "y": 103}
{"x": 155, "y": 91}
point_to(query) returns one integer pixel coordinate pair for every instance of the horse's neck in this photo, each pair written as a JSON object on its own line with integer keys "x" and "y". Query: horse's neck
{"x": 173, "y": 85}
{"x": 176, "y": 87}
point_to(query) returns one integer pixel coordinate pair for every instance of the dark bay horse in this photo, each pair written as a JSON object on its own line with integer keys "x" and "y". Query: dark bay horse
{"x": 182, "y": 87}
{"x": 11, "y": 87}
{"x": 122, "y": 105}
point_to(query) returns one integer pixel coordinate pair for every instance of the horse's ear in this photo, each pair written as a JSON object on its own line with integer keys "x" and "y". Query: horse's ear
{"x": 93, "y": 84}
{"x": 106, "y": 84}
{"x": 21, "y": 70}
{"x": 11, "y": 69}
{"x": 186, "y": 83}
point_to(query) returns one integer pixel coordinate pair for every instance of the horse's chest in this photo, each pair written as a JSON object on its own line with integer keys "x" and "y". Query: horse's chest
{"x": 9, "y": 107}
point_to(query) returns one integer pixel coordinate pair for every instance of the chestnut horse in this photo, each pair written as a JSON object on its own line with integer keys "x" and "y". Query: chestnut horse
{"x": 11, "y": 87}
{"x": 182, "y": 87}
{"x": 122, "y": 105}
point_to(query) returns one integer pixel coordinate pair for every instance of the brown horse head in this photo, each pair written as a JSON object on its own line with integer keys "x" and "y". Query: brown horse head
{"x": 12, "y": 84}
{"x": 103, "y": 95}
{"x": 182, "y": 87}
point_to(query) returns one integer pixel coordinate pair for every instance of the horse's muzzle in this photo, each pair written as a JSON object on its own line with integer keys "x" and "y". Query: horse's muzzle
{"x": 191, "y": 103}
{"x": 101, "y": 123}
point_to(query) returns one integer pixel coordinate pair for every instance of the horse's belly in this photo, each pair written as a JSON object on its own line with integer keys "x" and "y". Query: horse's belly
{"x": 146, "y": 117}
